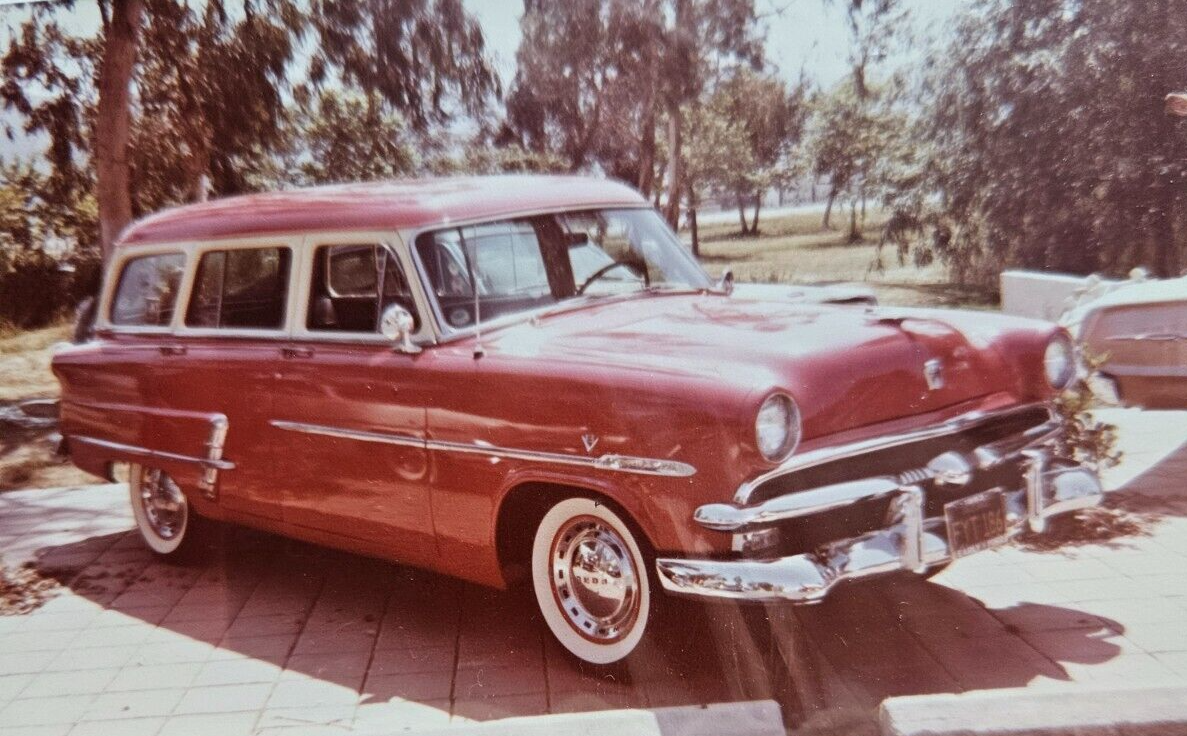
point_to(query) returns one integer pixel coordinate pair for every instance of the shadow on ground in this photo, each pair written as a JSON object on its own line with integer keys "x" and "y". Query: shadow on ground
{"x": 349, "y": 631}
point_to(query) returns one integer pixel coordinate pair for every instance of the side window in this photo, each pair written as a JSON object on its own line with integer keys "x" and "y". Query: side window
{"x": 147, "y": 290}
{"x": 244, "y": 288}
{"x": 352, "y": 285}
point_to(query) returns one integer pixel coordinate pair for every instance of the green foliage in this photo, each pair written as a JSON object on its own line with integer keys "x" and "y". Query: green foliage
{"x": 595, "y": 78}
{"x": 214, "y": 87}
{"x": 349, "y": 137}
{"x": 1049, "y": 146}
{"x": 1085, "y": 439}
{"x": 859, "y": 141}
{"x": 769, "y": 120}
{"x": 32, "y": 288}
{"x": 211, "y": 82}
{"x": 422, "y": 57}
{"x": 45, "y": 77}
{"x": 48, "y": 257}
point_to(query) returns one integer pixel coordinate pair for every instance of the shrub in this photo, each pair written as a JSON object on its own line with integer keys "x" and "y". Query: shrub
{"x": 36, "y": 288}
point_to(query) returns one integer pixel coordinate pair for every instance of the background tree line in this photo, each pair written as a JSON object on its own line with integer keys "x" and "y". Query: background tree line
{"x": 1032, "y": 136}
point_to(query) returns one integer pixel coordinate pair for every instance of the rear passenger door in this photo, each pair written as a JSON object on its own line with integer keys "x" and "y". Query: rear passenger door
{"x": 351, "y": 408}
{"x": 235, "y": 320}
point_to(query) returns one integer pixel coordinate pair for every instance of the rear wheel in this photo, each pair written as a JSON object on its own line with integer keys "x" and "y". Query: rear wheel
{"x": 591, "y": 581}
{"x": 164, "y": 519}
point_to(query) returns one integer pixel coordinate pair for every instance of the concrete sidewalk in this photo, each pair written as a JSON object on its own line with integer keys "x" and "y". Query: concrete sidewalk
{"x": 278, "y": 637}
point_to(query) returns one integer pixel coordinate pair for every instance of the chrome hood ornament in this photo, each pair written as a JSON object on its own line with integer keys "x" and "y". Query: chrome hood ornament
{"x": 933, "y": 372}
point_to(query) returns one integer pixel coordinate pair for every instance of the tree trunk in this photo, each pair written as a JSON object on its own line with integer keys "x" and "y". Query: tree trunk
{"x": 113, "y": 121}
{"x": 201, "y": 188}
{"x": 828, "y": 208}
{"x": 854, "y": 232}
{"x": 647, "y": 154}
{"x": 742, "y": 214}
{"x": 757, "y": 206}
{"x": 692, "y": 226}
{"x": 675, "y": 167}
{"x": 647, "y": 134}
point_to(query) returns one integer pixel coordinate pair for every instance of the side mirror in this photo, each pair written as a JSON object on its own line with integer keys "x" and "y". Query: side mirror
{"x": 397, "y": 325}
{"x": 726, "y": 284}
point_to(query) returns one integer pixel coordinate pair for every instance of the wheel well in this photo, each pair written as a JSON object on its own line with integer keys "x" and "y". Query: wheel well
{"x": 520, "y": 513}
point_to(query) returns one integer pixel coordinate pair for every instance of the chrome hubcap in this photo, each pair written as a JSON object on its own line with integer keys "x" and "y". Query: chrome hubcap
{"x": 594, "y": 580}
{"x": 163, "y": 503}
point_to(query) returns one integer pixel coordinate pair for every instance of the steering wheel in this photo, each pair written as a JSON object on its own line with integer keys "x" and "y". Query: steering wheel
{"x": 636, "y": 266}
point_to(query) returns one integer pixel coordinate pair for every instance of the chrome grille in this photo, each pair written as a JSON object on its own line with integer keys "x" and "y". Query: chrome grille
{"x": 906, "y": 461}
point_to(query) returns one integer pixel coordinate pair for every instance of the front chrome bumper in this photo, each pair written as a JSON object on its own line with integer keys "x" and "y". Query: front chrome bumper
{"x": 913, "y": 543}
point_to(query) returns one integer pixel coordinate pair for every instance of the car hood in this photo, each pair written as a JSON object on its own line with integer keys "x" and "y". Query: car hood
{"x": 845, "y": 366}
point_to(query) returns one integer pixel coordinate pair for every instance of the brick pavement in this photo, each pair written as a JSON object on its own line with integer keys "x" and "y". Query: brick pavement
{"x": 278, "y": 637}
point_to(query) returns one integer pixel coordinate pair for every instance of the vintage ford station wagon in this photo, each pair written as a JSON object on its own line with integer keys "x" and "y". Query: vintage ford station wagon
{"x": 530, "y": 379}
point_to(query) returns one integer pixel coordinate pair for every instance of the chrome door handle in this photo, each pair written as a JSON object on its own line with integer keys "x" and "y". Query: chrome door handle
{"x": 172, "y": 349}
{"x": 292, "y": 353}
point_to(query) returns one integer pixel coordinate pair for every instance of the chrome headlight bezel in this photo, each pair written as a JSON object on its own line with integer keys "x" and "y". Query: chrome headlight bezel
{"x": 1059, "y": 362}
{"x": 777, "y": 427}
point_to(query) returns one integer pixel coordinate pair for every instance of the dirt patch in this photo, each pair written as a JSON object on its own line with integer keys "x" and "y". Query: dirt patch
{"x": 29, "y": 459}
{"x": 1108, "y": 525}
{"x": 25, "y": 589}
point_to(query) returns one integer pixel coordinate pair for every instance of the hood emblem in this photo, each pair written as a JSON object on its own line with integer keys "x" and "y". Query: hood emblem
{"x": 590, "y": 441}
{"x": 933, "y": 371}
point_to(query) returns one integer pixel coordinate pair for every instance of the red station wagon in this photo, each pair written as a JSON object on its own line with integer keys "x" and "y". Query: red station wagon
{"x": 529, "y": 378}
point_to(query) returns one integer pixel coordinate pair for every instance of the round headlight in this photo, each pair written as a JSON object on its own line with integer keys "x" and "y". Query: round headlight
{"x": 1059, "y": 362}
{"x": 777, "y": 427}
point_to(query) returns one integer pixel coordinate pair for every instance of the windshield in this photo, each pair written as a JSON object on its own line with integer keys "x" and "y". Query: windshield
{"x": 527, "y": 263}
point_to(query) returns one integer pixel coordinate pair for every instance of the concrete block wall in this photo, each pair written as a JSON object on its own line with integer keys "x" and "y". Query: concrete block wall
{"x": 1037, "y": 294}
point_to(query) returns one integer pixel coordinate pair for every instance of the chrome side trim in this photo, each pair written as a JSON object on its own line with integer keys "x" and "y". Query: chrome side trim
{"x": 385, "y": 438}
{"x": 725, "y": 517}
{"x": 823, "y": 455}
{"x": 148, "y": 454}
{"x": 216, "y": 440}
{"x": 909, "y": 543}
{"x": 645, "y": 466}
{"x": 615, "y": 463}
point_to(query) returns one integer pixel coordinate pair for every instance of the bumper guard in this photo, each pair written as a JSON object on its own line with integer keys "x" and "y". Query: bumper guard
{"x": 912, "y": 543}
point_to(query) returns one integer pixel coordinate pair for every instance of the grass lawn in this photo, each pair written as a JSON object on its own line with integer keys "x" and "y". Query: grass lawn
{"x": 796, "y": 249}
{"x": 789, "y": 249}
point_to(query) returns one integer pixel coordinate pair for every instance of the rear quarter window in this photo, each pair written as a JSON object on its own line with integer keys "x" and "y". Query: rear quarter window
{"x": 147, "y": 291}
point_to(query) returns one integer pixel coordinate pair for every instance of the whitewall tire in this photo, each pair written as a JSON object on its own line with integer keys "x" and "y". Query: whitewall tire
{"x": 591, "y": 581}
{"x": 163, "y": 516}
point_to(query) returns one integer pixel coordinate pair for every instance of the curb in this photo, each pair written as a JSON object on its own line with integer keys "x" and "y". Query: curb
{"x": 1064, "y": 711}
{"x": 751, "y": 718}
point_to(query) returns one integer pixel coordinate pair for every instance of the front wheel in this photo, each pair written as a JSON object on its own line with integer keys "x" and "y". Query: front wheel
{"x": 591, "y": 581}
{"x": 164, "y": 519}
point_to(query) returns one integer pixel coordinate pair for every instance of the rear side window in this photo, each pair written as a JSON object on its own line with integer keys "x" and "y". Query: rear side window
{"x": 147, "y": 290}
{"x": 242, "y": 288}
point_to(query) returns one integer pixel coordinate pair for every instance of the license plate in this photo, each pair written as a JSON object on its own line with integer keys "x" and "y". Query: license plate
{"x": 976, "y": 523}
